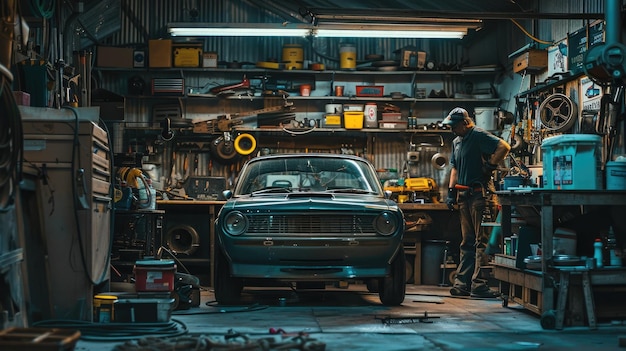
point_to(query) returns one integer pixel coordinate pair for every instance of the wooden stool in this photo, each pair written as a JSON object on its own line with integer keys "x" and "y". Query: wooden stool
{"x": 565, "y": 274}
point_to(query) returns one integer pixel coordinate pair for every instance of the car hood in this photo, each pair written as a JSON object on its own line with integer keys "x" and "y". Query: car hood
{"x": 319, "y": 201}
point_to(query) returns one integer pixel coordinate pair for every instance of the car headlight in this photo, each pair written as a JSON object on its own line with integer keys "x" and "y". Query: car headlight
{"x": 386, "y": 223}
{"x": 235, "y": 223}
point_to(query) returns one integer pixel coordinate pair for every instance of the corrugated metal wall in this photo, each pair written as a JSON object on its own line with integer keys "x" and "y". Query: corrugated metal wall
{"x": 143, "y": 20}
{"x": 555, "y": 30}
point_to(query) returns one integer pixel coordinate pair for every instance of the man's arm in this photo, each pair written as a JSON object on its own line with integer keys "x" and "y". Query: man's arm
{"x": 453, "y": 178}
{"x": 499, "y": 154}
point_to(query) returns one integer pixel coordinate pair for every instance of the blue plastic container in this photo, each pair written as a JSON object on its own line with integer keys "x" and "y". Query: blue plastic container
{"x": 571, "y": 162}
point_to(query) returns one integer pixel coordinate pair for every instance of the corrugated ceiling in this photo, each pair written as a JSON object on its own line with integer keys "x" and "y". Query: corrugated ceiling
{"x": 306, "y": 10}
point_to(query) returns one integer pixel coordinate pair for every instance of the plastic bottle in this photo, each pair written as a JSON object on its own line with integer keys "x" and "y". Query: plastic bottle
{"x": 597, "y": 252}
{"x": 611, "y": 244}
{"x": 152, "y": 191}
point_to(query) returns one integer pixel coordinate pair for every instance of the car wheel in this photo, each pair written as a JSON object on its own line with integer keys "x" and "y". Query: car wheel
{"x": 227, "y": 289}
{"x": 393, "y": 287}
{"x": 373, "y": 285}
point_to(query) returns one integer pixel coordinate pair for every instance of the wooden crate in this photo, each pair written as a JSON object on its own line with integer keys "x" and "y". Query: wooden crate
{"x": 532, "y": 60}
{"x": 38, "y": 339}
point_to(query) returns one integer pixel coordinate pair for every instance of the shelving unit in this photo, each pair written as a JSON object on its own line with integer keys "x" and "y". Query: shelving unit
{"x": 199, "y": 80}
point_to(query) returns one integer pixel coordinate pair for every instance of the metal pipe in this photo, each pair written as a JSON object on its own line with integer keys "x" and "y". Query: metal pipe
{"x": 413, "y": 16}
{"x": 8, "y": 11}
{"x": 612, "y": 15}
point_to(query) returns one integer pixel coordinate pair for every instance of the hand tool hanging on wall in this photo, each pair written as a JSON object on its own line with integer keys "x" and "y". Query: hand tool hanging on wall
{"x": 225, "y": 123}
{"x": 609, "y": 118}
{"x": 244, "y": 84}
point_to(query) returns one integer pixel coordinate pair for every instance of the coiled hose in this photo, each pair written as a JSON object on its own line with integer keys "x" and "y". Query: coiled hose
{"x": 10, "y": 141}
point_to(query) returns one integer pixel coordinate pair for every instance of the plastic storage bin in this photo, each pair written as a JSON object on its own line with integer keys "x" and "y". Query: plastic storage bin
{"x": 571, "y": 162}
{"x": 616, "y": 175}
{"x": 353, "y": 119}
{"x": 154, "y": 275}
{"x": 143, "y": 310}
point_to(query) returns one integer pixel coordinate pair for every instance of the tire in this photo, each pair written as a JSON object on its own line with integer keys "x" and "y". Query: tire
{"x": 393, "y": 287}
{"x": 548, "y": 320}
{"x": 227, "y": 289}
{"x": 373, "y": 285}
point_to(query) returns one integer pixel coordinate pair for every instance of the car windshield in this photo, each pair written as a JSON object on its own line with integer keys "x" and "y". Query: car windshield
{"x": 307, "y": 174}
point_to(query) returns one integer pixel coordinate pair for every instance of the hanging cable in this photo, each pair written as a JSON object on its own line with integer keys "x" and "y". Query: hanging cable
{"x": 42, "y": 8}
{"x": 530, "y": 35}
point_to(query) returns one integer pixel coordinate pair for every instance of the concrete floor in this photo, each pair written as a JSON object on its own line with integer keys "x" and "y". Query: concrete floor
{"x": 353, "y": 319}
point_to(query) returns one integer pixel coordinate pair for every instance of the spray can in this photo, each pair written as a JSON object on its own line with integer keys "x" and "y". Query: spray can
{"x": 597, "y": 252}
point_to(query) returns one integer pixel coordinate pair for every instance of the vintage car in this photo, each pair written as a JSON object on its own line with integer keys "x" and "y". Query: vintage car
{"x": 309, "y": 220}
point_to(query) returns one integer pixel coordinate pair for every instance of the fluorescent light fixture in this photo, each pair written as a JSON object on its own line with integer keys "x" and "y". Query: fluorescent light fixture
{"x": 354, "y": 33}
{"x": 348, "y": 30}
{"x": 237, "y": 32}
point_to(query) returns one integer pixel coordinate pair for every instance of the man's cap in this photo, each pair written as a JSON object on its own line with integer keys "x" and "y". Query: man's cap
{"x": 456, "y": 115}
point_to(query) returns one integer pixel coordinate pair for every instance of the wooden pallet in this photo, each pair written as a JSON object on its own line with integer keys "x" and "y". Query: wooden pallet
{"x": 38, "y": 339}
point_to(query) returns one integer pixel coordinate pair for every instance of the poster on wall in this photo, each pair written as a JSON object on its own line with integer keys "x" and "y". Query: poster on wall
{"x": 591, "y": 102}
{"x": 596, "y": 33}
{"x": 557, "y": 58}
{"x": 591, "y": 94}
{"x": 577, "y": 47}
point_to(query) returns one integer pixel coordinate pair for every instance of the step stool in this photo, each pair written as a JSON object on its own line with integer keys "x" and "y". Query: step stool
{"x": 564, "y": 281}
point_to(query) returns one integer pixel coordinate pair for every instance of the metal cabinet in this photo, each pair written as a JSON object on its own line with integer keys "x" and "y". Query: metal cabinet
{"x": 71, "y": 155}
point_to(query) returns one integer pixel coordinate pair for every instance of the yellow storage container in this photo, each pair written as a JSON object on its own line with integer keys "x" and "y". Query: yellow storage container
{"x": 187, "y": 57}
{"x": 332, "y": 121}
{"x": 353, "y": 119}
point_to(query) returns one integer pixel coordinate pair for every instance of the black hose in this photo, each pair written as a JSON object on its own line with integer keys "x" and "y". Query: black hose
{"x": 117, "y": 331}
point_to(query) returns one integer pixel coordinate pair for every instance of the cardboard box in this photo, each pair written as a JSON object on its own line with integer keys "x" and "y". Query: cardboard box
{"x": 22, "y": 98}
{"x": 532, "y": 60}
{"x": 209, "y": 59}
{"x": 160, "y": 53}
{"x": 108, "y": 56}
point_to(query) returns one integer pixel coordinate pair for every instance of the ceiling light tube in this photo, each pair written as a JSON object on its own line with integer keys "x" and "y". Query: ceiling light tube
{"x": 322, "y": 30}
{"x": 238, "y": 30}
{"x": 354, "y": 33}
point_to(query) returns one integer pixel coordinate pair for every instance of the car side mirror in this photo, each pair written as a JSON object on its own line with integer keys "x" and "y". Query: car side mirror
{"x": 388, "y": 194}
{"x": 227, "y": 194}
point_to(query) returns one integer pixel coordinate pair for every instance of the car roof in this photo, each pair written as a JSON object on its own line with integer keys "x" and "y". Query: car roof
{"x": 313, "y": 154}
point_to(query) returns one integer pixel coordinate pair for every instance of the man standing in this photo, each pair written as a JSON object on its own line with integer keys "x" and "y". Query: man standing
{"x": 476, "y": 154}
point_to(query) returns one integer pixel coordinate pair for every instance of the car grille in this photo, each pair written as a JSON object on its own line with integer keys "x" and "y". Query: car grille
{"x": 336, "y": 225}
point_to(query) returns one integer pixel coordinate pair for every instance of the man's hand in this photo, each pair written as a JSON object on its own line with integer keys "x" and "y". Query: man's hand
{"x": 451, "y": 199}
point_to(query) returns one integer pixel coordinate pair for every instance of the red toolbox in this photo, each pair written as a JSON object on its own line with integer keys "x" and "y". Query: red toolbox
{"x": 154, "y": 275}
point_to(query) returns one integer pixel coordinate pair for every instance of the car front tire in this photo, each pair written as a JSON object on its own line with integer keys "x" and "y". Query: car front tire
{"x": 393, "y": 287}
{"x": 227, "y": 289}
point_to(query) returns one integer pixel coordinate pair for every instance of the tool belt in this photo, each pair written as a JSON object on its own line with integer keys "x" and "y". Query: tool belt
{"x": 467, "y": 191}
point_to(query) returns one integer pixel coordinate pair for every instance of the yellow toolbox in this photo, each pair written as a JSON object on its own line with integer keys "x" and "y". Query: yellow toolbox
{"x": 187, "y": 56}
{"x": 332, "y": 121}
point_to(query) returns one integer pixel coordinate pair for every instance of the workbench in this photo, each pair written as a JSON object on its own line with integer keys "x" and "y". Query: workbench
{"x": 542, "y": 281}
{"x": 419, "y": 221}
